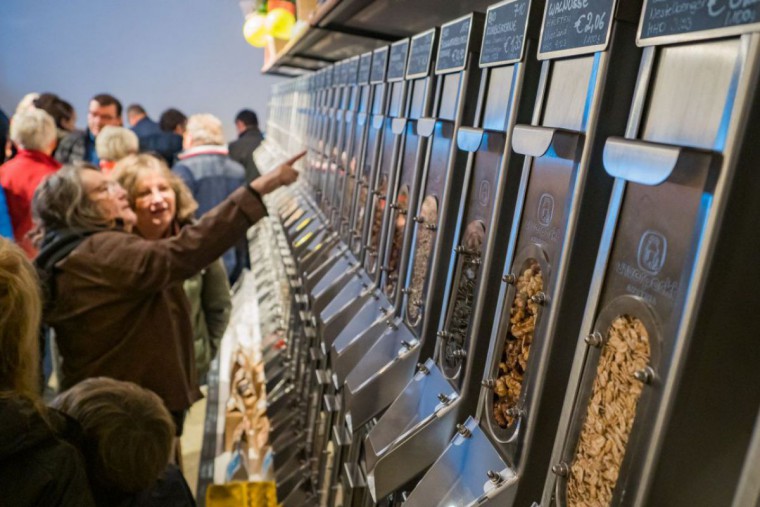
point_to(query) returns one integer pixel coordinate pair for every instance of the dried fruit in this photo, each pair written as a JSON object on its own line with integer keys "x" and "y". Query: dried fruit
{"x": 422, "y": 250}
{"x": 522, "y": 324}
{"x": 609, "y": 415}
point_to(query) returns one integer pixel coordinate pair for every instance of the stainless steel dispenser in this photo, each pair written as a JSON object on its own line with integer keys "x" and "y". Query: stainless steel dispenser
{"x": 407, "y": 431}
{"x": 360, "y": 332}
{"x": 389, "y": 365}
{"x": 360, "y": 287}
{"x": 339, "y": 253}
{"x": 664, "y": 338}
{"x": 312, "y": 224}
{"x": 331, "y": 279}
{"x": 349, "y": 149}
{"x": 373, "y": 317}
{"x": 585, "y": 90}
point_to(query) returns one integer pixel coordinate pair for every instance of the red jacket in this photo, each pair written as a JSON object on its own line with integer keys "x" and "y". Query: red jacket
{"x": 20, "y": 177}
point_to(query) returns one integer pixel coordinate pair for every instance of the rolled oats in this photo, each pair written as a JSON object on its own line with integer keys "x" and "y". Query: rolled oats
{"x": 609, "y": 415}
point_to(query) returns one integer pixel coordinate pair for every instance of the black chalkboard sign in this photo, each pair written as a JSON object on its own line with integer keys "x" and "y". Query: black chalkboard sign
{"x": 352, "y": 68}
{"x": 379, "y": 59}
{"x": 574, "y": 27}
{"x": 504, "y": 33}
{"x": 365, "y": 64}
{"x": 452, "y": 50}
{"x": 420, "y": 55}
{"x": 664, "y": 18}
{"x": 397, "y": 60}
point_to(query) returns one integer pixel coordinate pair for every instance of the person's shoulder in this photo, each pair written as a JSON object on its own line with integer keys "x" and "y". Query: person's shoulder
{"x": 234, "y": 168}
{"x": 74, "y": 136}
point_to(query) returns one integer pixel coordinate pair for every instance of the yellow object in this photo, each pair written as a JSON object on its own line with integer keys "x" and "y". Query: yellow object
{"x": 255, "y": 30}
{"x": 280, "y": 23}
{"x": 242, "y": 494}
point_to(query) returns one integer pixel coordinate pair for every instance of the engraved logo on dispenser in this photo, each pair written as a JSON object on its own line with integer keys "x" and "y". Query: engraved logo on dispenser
{"x": 484, "y": 193}
{"x": 545, "y": 210}
{"x": 644, "y": 277}
{"x": 653, "y": 248}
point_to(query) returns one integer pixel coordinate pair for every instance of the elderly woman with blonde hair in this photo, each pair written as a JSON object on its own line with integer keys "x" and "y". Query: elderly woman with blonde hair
{"x": 163, "y": 205}
{"x": 113, "y": 144}
{"x": 34, "y": 133}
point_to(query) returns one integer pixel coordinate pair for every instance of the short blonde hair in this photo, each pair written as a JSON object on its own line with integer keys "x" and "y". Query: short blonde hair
{"x": 21, "y": 301}
{"x": 114, "y": 143}
{"x": 33, "y": 130}
{"x": 128, "y": 432}
{"x": 205, "y": 129}
{"x": 129, "y": 170}
{"x": 26, "y": 103}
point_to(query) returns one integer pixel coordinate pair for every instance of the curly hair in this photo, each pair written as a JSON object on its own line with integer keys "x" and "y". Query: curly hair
{"x": 129, "y": 170}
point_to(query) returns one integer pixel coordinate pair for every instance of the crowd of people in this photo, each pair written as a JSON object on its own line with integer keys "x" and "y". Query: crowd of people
{"x": 120, "y": 247}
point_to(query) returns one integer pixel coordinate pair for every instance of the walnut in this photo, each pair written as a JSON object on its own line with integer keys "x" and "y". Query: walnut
{"x": 519, "y": 338}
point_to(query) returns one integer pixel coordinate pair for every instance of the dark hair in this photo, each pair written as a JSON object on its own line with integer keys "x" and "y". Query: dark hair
{"x": 247, "y": 118}
{"x": 135, "y": 109}
{"x": 105, "y": 99}
{"x": 60, "y": 202}
{"x": 56, "y": 107}
{"x": 128, "y": 432}
{"x": 171, "y": 119}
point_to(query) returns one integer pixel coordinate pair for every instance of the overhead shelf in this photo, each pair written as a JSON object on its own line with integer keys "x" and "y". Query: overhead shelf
{"x": 340, "y": 29}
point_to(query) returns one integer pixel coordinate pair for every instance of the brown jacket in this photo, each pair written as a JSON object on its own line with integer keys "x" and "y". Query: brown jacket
{"x": 119, "y": 309}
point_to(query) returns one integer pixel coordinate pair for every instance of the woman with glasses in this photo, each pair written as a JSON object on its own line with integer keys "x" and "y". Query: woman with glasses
{"x": 114, "y": 298}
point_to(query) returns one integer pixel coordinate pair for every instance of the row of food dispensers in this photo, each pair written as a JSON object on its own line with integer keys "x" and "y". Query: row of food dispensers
{"x": 520, "y": 262}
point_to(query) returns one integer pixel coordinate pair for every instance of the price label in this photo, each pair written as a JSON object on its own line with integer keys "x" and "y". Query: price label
{"x": 397, "y": 60}
{"x": 420, "y": 54}
{"x": 352, "y": 67}
{"x": 379, "y": 59}
{"x": 504, "y": 34}
{"x": 575, "y": 27}
{"x": 452, "y": 51}
{"x": 663, "y": 18}
{"x": 365, "y": 65}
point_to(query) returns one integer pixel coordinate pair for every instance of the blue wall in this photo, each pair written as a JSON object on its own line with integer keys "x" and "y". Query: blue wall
{"x": 188, "y": 54}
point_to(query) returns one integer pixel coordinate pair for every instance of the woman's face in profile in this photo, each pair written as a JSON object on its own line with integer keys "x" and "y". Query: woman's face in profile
{"x": 108, "y": 195}
{"x": 155, "y": 205}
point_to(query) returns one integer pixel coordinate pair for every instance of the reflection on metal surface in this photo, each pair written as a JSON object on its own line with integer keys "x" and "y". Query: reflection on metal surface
{"x": 376, "y": 224}
{"x": 620, "y": 375}
{"x": 468, "y": 270}
{"x": 360, "y": 215}
{"x": 522, "y": 320}
{"x": 425, "y": 239}
{"x": 400, "y": 207}
{"x": 349, "y": 192}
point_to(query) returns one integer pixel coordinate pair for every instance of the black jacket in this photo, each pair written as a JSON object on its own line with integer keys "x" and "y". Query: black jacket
{"x": 37, "y": 467}
{"x": 242, "y": 151}
{"x": 166, "y": 144}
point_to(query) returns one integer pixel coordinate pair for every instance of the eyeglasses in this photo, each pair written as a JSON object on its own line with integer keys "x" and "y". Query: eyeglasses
{"x": 106, "y": 187}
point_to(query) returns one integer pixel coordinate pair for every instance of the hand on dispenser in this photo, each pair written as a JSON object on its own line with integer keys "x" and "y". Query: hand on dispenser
{"x": 283, "y": 174}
